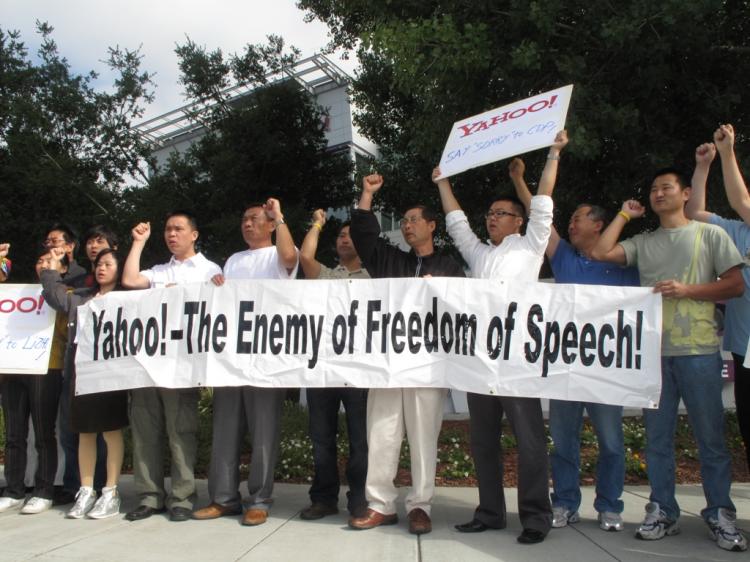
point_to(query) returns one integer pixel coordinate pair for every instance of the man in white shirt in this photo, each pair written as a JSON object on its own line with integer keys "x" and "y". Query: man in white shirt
{"x": 156, "y": 412}
{"x": 237, "y": 409}
{"x": 508, "y": 255}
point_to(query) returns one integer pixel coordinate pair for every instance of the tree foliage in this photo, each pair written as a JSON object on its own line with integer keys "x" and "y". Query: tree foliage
{"x": 652, "y": 81}
{"x": 66, "y": 149}
{"x": 267, "y": 142}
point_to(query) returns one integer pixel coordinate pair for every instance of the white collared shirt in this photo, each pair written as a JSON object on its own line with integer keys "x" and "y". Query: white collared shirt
{"x": 516, "y": 257}
{"x": 195, "y": 269}
{"x": 262, "y": 263}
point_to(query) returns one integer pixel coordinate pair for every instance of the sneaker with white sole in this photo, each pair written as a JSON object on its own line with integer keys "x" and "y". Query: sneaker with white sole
{"x": 36, "y": 505}
{"x": 562, "y": 516}
{"x": 610, "y": 521}
{"x": 656, "y": 524}
{"x": 725, "y": 533}
{"x": 7, "y": 503}
{"x": 85, "y": 499}
{"x": 108, "y": 504}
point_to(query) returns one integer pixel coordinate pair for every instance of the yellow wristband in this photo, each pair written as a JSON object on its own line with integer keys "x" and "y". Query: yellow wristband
{"x": 624, "y": 215}
{"x": 320, "y": 228}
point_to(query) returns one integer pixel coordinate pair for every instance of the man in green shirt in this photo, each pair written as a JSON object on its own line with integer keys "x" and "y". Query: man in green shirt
{"x": 692, "y": 265}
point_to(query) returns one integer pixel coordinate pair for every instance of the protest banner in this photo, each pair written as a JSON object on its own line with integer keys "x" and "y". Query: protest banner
{"x": 26, "y": 327}
{"x": 509, "y": 130}
{"x": 578, "y": 342}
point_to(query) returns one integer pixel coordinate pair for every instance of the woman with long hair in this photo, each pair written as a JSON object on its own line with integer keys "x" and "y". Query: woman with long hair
{"x": 103, "y": 412}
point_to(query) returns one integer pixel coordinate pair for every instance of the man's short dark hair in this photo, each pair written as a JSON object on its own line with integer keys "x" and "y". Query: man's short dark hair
{"x": 101, "y": 231}
{"x": 596, "y": 213}
{"x": 671, "y": 170}
{"x": 427, "y": 213}
{"x": 183, "y": 213}
{"x": 68, "y": 233}
{"x": 344, "y": 225}
{"x": 518, "y": 206}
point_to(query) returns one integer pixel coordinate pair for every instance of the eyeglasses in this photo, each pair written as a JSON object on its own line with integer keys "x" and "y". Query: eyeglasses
{"x": 53, "y": 241}
{"x": 499, "y": 214}
{"x": 409, "y": 220}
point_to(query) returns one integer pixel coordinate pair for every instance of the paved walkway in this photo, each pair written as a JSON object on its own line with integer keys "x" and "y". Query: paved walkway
{"x": 49, "y": 536}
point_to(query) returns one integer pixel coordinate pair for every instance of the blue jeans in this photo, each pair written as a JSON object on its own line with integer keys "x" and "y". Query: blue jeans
{"x": 565, "y": 423}
{"x": 697, "y": 380}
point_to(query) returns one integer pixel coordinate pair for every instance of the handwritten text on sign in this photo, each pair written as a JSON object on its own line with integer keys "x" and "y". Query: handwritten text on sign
{"x": 26, "y": 327}
{"x": 567, "y": 342}
{"x": 506, "y": 131}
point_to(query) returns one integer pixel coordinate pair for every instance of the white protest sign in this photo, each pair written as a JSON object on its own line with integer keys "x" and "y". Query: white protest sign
{"x": 513, "y": 129}
{"x": 26, "y": 327}
{"x": 577, "y": 342}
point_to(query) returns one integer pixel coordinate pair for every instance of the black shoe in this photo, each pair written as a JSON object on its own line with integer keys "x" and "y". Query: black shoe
{"x": 473, "y": 526}
{"x": 143, "y": 512}
{"x": 63, "y": 497}
{"x": 180, "y": 514}
{"x": 530, "y": 536}
{"x": 317, "y": 511}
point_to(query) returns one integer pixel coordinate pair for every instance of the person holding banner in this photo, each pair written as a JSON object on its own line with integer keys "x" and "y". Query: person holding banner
{"x": 90, "y": 414}
{"x": 390, "y": 411}
{"x": 323, "y": 403}
{"x": 239, "y": 408}
{"x": 737, "y": 318}
{"x": 692, "y": 265}
{"x": 571, "y": 262}
{"x": 156, "y": 412}
{"x": 509, "y": 255}
{"x": 35, "y": 397}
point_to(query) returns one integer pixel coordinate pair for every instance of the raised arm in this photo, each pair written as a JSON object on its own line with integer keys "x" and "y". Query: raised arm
{"x": 4, "y": 262}
{"x": 370, "y": 186}
{"x": 55, "y": 291}
{"x": 549, "y": 173}
{"x": 307, "y": 252}
{"x": 131, "y": 271}
{"x": 446, "y": 192}
{"x": 607, "y": 247}
{"x": 733, "y": 182}
{"x": 516, "y": 170}
{"x": 696, "y": 206}
{"x": 284, "y": 243}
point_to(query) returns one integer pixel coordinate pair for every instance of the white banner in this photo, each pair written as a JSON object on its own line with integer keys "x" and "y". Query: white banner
{"x": 578, "y": 342}
{"x": 513, "y": 129}
{"x": 26, "y": 327}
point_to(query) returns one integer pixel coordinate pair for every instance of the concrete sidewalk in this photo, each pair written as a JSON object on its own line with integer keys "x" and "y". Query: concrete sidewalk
{"x": 49, "y": 536}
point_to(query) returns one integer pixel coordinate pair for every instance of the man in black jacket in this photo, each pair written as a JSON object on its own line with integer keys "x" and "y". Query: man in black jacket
{"x": 391, "y": 410}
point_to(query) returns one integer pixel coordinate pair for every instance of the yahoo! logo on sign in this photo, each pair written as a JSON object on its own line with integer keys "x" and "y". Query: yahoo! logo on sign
{"x": 483, "y": 125}
{"x": 25, "y": 305}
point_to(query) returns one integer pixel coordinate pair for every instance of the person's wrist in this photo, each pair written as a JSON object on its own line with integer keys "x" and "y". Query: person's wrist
{"x": 278, "y": 221}
{"x": 553, "y": 154}
{"x": 318, "y": 226}
{"x": 624, "y": 215}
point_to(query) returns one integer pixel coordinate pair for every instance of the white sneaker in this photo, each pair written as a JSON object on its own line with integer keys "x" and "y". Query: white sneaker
{"x": 656, "y": 524}
{"x": 85, "y": 499}
{"x": 10, "y": 503}
{"x": 36, "y": 505}
{"x": 610, "y": 521}
{"x": 108, "y": 504}
{"x": 724, "y": 532}
{"x": 562, "y": 516}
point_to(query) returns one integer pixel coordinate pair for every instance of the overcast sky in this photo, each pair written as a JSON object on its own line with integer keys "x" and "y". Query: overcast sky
{"x": 85, "y": 28}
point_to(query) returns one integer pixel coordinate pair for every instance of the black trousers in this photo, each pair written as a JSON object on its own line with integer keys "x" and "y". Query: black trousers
{"x": 527, "y": 423}
{"x": 34, "y": 396}
{"x": 742, "y": 400}
{"x": 323, "y": 407}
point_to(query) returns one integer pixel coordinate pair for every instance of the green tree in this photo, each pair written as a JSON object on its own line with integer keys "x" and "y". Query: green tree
{"x": 652, "y": 80}
{"x": 267, "y": 142}
{"x": 66, "y": 149}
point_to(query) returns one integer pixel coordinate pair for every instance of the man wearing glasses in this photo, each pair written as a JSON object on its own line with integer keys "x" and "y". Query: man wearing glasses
{"x": 390, "y": 411}
{"x": 508, "y": 255}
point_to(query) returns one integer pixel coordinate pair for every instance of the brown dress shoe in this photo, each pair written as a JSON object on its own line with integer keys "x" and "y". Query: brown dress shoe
{"x": 215, "y": 510}
{"x": 372, "y": 519}
{"x": 419, "y": 522}
{"x": 254, "y": 517}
